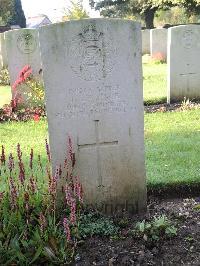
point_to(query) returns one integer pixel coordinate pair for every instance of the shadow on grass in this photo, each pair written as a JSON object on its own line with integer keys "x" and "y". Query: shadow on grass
{"x": 174, "y": 190}
{"x": 155, "y": 101}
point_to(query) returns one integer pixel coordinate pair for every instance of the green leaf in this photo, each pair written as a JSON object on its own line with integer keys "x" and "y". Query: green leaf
{"x": 171, "y": 231}
{"x": 37, "y": 254}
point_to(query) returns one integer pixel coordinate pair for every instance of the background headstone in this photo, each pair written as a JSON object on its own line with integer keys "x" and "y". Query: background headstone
{"x": 158, "y": 42}
{"x": 23, "y": 49}
{"x": 93, "y": 81}
{"x": 3, "y": 54}
{"x": 184, "y": 63}
{"x": 146, "y": 41}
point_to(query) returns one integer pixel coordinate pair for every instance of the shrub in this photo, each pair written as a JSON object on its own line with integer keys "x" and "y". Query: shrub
{"x": 33, "y": 227}
{"x": 93, "y": 223}
{"x": 27, "y": 89}
{"x": 160, "y": 228}
{"x": 8, "y": 113}
{"x": 33, "y": 93}
{"x": 4, "y": 77}
{"x": 158, "y": 58}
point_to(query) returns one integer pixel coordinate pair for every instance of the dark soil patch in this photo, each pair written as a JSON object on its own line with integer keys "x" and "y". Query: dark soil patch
{"x": 127, "y": 249}
{"x": 171, "y": 191}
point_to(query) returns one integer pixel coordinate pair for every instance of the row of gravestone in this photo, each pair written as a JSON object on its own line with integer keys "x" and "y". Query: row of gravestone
{"x": 92, "y": 71}
{"x": 180, "y": 45}
{"x": 21, "y": 47}
{"x": 154, "y": 41}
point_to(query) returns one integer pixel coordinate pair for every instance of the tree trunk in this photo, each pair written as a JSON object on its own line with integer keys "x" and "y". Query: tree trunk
{"x": 149, "y": 17}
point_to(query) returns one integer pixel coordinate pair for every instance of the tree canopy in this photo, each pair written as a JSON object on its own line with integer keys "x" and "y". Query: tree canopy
{"x": 191, "y": 6}
{"x": 11, "y": 13}
{"x": 145, "y": 8}
{"x": 6, "y": 8}
{"x": 76, "y": 11}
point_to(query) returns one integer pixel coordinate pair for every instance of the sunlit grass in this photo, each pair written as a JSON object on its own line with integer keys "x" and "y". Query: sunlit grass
{"x": 5, "y": 95}
{"x": 154, "y": 83}
{"x": 171, "y": 141}
{"x": 172, "y": 147}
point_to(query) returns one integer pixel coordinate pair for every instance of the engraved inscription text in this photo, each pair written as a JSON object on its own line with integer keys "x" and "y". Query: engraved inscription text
{"x": 88, "y": 101}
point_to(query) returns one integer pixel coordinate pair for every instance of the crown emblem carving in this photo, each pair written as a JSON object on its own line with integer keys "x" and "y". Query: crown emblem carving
{"x": 90, "y": 34}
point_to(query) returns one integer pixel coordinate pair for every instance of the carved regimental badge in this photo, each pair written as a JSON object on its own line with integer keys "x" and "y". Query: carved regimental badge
{"x": 188, "y": 39}
{"x": 26, "y": 43}
{"x": 91, "y": 54}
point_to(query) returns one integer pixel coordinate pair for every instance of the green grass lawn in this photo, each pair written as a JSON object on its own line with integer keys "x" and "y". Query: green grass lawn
{"x": 172, "y": 147}
{"x": 155, "y": 83}
{"x": 29, "y": 135}
{"x": 5, "y": 95}
{"x": 171, "y": 140}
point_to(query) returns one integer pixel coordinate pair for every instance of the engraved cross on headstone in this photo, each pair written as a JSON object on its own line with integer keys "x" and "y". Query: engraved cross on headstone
{"x": 188, "y": 75}
{"x": 97, "y": 145}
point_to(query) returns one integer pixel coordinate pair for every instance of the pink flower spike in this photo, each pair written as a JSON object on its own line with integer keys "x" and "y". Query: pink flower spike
{"x": 48, "y": 151}
{"x": 19, "y": 152}
{"x": 27, "y": 74}
{"x": 3, "y": 157}
{"x": 42, "y": 222}
{"x": 31, "y": 159}
{"x": 67, "y": 229}
{"x": 68, "y": 195}
{"x": 70, "y": 151}
{"x": 73, "y": 212}
{"x": 32, "y": 184}
{"x": 13, "y": 193}
{"x": 11, "y": 163}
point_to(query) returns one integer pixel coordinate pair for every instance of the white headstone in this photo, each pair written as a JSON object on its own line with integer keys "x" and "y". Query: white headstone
{"x": 184, "y": 63}
{"x": 3, "y": 54}
{"x": 14, "y": 27}
{"x": 23, "y": 49}
{"x": 146, "y": 41}
{"x": 93, "y": 81}
{"x": 158, "y": 42}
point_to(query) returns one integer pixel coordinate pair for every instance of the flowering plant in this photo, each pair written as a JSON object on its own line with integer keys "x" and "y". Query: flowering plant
{"x": 32, "y": 228}
{"x": 4, "y": 77}
{"x": 9, "y": 113}
{"x": 27, "y": 88}
{"x": 158, "y": 58}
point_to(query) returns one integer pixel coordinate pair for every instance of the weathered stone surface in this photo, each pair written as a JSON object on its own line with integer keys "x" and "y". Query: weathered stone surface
{"x": 3, "y": 54}
{"x": 146, "y": 41}
{"x": 158, "y": 42}
{"x": 22, "y": 49}
{"x": 93, "y": 81}
{"x": 184, "y": 63}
